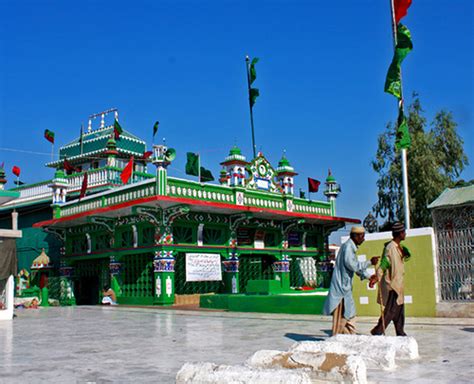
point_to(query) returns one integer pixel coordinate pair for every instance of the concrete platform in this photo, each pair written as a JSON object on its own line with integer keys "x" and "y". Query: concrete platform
{"x": 149, "y": 345}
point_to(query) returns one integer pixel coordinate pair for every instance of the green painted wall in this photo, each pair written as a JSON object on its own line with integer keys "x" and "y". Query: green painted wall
{"x": 419, "y": 275}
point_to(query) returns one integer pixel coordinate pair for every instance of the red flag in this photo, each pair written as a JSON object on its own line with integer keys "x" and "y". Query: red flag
{"x": 147, "y": 154}
{"x": 84, "y": 186}
{"x": 401, "y": 7}
{"x": 69, "y": 167}
{"x": 16, "y": 171}
{"x": 127, "y": 172}
{"x": 313, "y": 185}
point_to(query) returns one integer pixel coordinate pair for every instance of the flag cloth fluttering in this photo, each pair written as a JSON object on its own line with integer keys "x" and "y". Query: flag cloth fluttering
{"x": 155, "y": 128}
{"x": 401, "y": 8}
{"x": 16, "y": 171}
{"x": 313, "y": 185}
{"x": 84, "y": 186}
{"x": 402, "y": 140}
{"x": 193, "y": 168}
{"x": 147, "y": 154}
{"x": 192, "y": 164}
{"x": 127, "y": 171}
{"x": 117, "y": 129}
{"x": 69, "y": 167}
{"x": 404, "y": 45}
{"x": 253, "y": 92}
{"x": 49, "y": 135}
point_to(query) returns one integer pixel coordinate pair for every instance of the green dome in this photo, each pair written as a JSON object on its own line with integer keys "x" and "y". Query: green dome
{"x": 284, "y": 162}
{"x": 330, "y": 178}
{"x": 235, "y": 151}
{"x": 59, "y": 174}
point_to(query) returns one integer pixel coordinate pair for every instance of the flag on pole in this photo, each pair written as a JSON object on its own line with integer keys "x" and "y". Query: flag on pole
{"x": 401, "y": 8}
{"x": 16, "y": 171}
{"x": 404, "y": 46}
{"x": 402, "y": 140}
{"x": 206, "y": 175}
{"x": 313, "y": 185}
{"x": 127, "y": 171}
{"x": 155, "y": 128}
{"x": 49, "y": 135}
{"x": 84, "y": 186}
{"x": 253, "y": 72}
{"x": 117, "y": 129}
{"x": 253, "y": 92}
{"x": 192, "y": 164}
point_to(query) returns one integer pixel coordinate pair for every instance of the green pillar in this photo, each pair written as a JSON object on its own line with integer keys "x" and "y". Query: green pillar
{"x": 164, "y": 277}
{"x": 282, "y": 271}
{"x": 231, "y": 273}
{"x": 44, "y": 297}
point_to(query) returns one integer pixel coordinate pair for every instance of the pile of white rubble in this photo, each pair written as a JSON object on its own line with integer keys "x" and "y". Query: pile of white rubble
{"x": 342, "y": 358}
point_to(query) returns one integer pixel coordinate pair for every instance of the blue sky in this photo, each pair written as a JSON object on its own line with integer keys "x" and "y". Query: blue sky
{"x": 321, "y": 75}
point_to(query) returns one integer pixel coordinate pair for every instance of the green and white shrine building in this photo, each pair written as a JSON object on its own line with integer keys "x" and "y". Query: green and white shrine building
{"x": 160, "y": 237}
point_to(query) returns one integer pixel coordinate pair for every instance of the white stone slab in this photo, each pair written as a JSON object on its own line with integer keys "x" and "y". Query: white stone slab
{"x": 375, "y": 355}
{"x": 209, "y": 373}
{"x": 406, "y": 348}
{"x": 320, "y": 366}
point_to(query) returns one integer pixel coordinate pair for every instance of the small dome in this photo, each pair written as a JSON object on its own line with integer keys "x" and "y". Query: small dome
{"x": 330, "y": 178}
{"x": 42, "y": 261}
{"x": 235, "y": 151}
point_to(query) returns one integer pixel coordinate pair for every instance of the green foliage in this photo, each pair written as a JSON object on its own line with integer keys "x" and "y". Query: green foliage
{"x": 435, "y": 160}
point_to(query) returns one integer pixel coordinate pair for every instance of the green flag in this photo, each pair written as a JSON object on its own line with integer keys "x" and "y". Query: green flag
{"x": 155, "y": 128}
{"x": 253, "y": 94}
{"x": 192, "y": 164}
{"x": 402, "y": 140}
{"x": 206, "y": 175}
{"x": 253, "y": 72}
{"x": 393, "y": 83}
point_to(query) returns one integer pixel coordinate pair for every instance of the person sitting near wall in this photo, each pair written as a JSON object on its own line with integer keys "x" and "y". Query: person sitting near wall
{"x": 109, "y": 297}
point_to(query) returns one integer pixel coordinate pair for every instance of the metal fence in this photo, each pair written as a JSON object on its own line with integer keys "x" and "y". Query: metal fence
{"x": 455, "y": 258}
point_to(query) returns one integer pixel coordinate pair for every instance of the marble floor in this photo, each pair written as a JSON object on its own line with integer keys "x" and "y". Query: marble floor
{"x": 149, "y": 345}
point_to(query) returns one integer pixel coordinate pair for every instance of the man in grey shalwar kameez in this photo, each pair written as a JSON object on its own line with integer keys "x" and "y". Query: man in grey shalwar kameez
{"x": 339, "y": 302}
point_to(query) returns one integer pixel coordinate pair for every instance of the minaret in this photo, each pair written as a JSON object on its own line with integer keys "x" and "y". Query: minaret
{"x": 111, "y": 151}
{"x": 285, "y": 175}
{"x": 59, "y": 189}
{"x": 234, "y": 165}
{"x": 332, "y": 191}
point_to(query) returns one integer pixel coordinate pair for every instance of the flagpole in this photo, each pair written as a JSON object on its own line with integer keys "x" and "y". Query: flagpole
{"x": 406, "y": 203}
{"x": 199, "y": 167}
{"x": 254, "y": 147}
{"x": 52, "y": 151}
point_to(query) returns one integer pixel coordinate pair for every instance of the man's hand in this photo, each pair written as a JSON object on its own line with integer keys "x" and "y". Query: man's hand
{"x": 374, "y": 260}
{"x": 372, "y": 281}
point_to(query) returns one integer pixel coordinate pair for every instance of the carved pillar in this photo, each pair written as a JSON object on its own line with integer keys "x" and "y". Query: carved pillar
{"x": 163, "y": 264}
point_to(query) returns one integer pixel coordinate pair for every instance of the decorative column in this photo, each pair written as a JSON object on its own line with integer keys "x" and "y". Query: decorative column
{"x": 162, "y": 157}
{"x": 59, "y": 189}
{"x": 43, "y": 266}
{"x": 281, "y": 268}
{"x": 231, "y": 272}
{"x": 163, "y": 264}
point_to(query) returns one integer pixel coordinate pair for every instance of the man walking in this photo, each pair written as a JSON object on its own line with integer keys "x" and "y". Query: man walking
{"x": 390, "y": 275}
{"x": 339, "y": 302}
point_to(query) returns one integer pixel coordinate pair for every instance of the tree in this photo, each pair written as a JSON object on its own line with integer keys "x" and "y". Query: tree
{"x": 435, "y": 160}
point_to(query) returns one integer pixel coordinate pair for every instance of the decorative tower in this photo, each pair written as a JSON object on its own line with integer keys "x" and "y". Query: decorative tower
{"x": 3, "y": 181}
{"x": 111, "y": 152}
{"x": 285, "y": 175}
{"x": 59, "y": 187}
{"x": 234, "y": 165}
{"x": 332, "y": 191}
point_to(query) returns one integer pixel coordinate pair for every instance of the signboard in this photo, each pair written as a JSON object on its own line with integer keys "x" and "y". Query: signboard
{"x": 203, "y": 267}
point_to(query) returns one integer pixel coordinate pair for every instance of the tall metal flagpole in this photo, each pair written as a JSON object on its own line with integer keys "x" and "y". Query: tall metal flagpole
{"x": 406, "y": 202}
{"x": 247, "y": 65}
